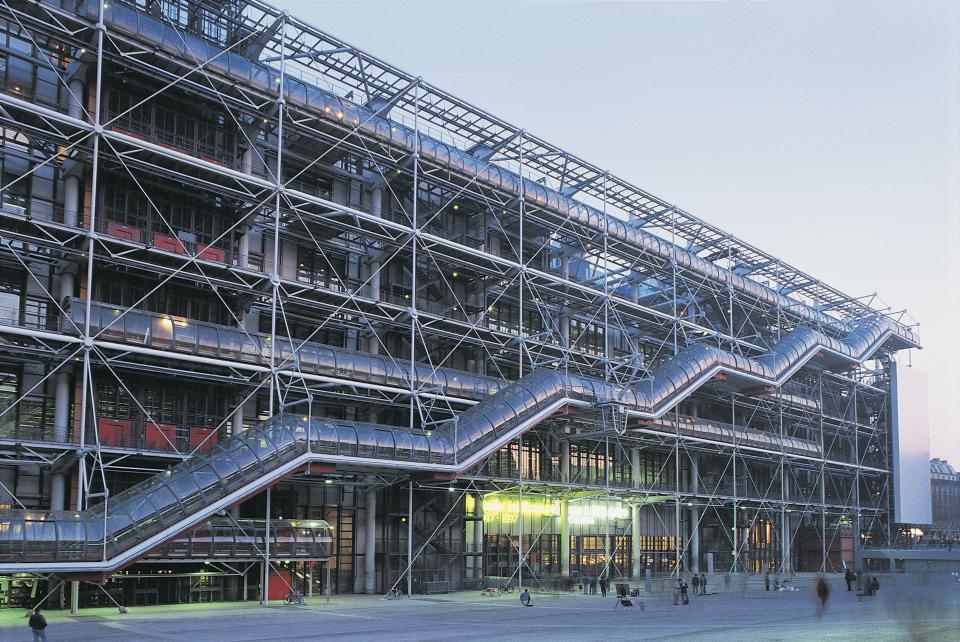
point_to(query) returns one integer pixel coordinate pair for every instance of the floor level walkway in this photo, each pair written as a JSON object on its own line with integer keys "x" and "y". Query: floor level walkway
{"x": 907, "y": 608}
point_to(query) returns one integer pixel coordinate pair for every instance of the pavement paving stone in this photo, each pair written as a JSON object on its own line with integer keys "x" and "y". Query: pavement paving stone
{"x": 908, "y": 608}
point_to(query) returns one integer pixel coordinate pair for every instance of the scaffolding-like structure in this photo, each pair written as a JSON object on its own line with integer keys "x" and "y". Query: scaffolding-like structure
{"x": 213, "y": 215}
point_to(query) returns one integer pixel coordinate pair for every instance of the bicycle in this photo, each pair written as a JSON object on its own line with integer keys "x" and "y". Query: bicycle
{"x": 493, "y": 591}
{"x": 294, "y": 598}
{"x": 394, "y": 594}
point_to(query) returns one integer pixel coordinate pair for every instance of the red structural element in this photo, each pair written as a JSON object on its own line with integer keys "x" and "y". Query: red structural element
{"x": 279, "y": 583}
{"x": 174, "y": 148}
{"x": 130, "y": 134}
{"x": 155, "y": 437}
{"x": 115, "y": 432}
{"x": 758, "y": 390}
{"x": 125, "y": 232}
{"x": 839, "y": 550}
{"x": 316, "y": 468}
{"x": 168, "y": 243}
{"x": 209, "y": 253}
{"x": 435, "y": 476}
{"x": 199, "y": 439}
{"x": 214, "y": 161}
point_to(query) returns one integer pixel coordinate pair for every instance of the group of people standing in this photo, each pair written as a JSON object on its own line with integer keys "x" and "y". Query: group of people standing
{"x": 681, "y": 595}
{"x": 591, "y": 585}
{"x": 699, "y": 584}
{"x": 868, "y": 587}
{"x": 766, "y": 582}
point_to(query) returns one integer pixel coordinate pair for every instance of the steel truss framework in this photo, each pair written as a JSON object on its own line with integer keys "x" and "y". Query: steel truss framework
{"x": 141, "y": 177}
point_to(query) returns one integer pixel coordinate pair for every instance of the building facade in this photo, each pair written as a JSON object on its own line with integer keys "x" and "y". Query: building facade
{"x": 945, "y": 500}
{"x": 249, "y": 272}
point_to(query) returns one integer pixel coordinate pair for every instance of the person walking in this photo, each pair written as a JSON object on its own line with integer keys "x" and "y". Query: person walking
{"x": 603, "y": 586}
{"x": 696, "y": 584}
{"x": 848, "y": 578}
{"x": 823, "y": 594}
{"x": 703, "y": 583}
{"x": 38, "y": 625}
{"x": 593, "y": 584}
{"x": 766, "y": 581}
{"x": 683, "y": 592}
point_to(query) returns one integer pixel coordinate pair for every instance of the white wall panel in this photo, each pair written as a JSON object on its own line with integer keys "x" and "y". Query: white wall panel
{"x": 911, "y": 447}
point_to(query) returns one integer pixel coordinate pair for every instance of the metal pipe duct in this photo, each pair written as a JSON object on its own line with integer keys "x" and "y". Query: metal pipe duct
{"x": 729, "y": 434}
{"x": 185, "y": 336}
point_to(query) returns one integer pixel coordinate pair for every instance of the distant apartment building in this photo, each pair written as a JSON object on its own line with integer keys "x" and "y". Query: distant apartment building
{"x": 945, "y": 497}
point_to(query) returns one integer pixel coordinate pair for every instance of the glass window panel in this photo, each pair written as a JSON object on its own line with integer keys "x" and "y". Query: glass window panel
{"x": 207, "y": 479}
{"x": 41, "y": 537}
{"x": 245, "y": 457}
{"x": 164, "y": 502}
{"x": 72, "y": 535}
{"x": 229, "y": 343}
{"x": 162, "y": 332}
{"x": 184, "y": 486}
{"x": 186, "y": 335}
{"x": 138, "y": 507}
{"x": 348, "y": 440}
{"x": 225, "y": 466}
{"x": 207, "y": 341}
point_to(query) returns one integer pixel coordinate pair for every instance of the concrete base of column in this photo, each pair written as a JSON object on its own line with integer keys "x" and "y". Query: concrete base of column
{"x": 564, "y": 540}
{"x": 694, "y": 540}
{"x": 478, "y": 536}
{"x": 637, "y": 562}
{"x": 370, "y": 545}
{"x": 58, "y": 485}
{"x": 74, "y": 597}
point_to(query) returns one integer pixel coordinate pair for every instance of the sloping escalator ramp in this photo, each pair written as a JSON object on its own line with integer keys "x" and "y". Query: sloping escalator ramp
{"x": 140, "y": 519}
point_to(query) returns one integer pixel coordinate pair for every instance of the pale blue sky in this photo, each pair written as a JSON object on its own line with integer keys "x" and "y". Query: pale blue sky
{"x": 825, "y": 133}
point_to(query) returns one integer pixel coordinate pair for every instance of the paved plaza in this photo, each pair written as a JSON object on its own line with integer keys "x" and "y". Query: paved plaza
{"x": 906, "y": 609}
